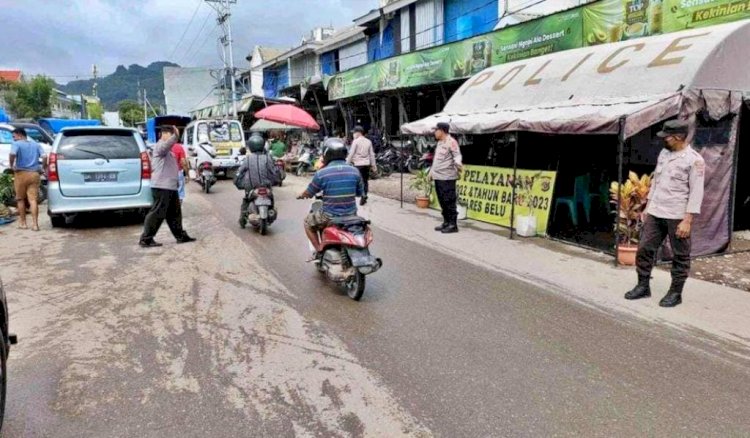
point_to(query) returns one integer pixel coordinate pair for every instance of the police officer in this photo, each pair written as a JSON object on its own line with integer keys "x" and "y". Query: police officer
{"x": 674, "y": 199}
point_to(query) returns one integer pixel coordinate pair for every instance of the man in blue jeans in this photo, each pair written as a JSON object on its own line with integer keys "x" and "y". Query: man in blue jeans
{"x": 24, "y": 161}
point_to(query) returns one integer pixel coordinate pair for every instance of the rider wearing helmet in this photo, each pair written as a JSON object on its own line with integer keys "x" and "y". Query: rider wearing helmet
{"x": 257, "y": 170}
{"x": 339, "y": 183}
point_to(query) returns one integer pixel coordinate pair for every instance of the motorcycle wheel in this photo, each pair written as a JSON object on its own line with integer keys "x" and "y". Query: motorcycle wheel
{"x": 206, "y": 187}
{"x": 300, "y": 170}
{"x": 355, "y": 287}
{"x": 263, "y": 228}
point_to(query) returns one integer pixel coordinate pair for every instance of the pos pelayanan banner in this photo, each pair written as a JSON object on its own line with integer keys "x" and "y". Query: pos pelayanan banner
{"x": 611, "y": 21}
{"x": 487, "y": 194}
{"x": 462, "y": 59}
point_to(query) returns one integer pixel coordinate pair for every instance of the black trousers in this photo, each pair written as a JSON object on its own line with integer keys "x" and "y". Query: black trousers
{"x": 166, "y": 206}
{"x": 655, "y": 230}
{"x": 446, "y": 194}
{"x": 365, "y": 172}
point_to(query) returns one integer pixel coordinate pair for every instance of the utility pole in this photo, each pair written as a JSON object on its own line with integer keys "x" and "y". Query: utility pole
{"x": 145, "y": 107}
{"x": 223, "y": 9}
{"x": 94, "y": 71}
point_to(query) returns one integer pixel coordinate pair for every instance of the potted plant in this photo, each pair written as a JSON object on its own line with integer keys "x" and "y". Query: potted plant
{"x": 7, "y": 192}
{"x": 526, "y": 225}
{"x": 633, "y": 196}
{"x": 422, "y": 184}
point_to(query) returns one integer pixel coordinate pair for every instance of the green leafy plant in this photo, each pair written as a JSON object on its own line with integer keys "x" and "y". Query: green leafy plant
{"x": 422, "y": 183}
{"x": 7, "y": 192}
{"x": 633, "y": 197}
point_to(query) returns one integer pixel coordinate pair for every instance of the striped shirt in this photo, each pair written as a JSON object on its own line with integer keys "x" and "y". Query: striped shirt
{"x": 340, "y": 184}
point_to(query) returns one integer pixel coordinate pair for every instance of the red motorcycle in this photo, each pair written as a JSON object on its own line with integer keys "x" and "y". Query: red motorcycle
{"x": 344, "y": 254}
{"x": 280, "y": 165}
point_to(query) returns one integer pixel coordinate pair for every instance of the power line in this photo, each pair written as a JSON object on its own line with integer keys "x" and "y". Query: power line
{"x": 198, "y": 6}
{"x": 205, "y": 21}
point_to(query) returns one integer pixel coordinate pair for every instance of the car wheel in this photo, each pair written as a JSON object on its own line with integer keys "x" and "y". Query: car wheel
{"x": 3, "y": 378}
{"x": 58, "y": 221}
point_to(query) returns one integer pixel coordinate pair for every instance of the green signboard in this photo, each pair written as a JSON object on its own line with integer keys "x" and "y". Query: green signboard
{"x": 611, "y": 21}
{"x": 461, "y": 59}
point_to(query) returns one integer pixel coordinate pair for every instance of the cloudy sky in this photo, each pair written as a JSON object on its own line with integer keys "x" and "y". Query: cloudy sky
{"x": 64, "y": 38}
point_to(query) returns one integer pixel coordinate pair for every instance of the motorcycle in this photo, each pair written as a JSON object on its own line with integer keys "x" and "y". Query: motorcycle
{"x": 280, "y": 165}
{"x": 262, "y": 212}
{"x": 344, "y": 253}
{"x": 425, "y": 161}
{"x": 206, "y": 176}
{"x": 306, "y": 161}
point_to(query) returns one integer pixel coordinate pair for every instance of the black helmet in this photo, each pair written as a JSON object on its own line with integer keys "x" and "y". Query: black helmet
{"x": 334, "y": 149}
{"x": 256, "y": 143}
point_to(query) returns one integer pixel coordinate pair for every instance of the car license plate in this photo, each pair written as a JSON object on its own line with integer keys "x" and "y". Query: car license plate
{"x": 263, "y": 201}
{"x": 100, "y": 177}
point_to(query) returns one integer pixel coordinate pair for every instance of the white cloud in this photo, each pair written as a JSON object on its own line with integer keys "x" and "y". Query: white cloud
{"x": 64, "y": 39}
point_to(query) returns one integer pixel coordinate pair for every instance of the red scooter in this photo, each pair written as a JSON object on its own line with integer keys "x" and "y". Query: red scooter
{"x": 344, "y": 254}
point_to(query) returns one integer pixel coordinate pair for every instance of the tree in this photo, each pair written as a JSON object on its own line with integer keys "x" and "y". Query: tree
{"x": 32, "y": 99}
{"x": 130, "y": 112}
{"x": 95, "y": 111}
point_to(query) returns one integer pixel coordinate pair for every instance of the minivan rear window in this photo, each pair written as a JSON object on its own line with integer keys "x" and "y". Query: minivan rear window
{"x": 111, "y": 145}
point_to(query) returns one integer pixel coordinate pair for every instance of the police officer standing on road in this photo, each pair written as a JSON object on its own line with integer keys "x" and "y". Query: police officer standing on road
{"x": 674, "y": 199}
{"x": 446, "y": 168}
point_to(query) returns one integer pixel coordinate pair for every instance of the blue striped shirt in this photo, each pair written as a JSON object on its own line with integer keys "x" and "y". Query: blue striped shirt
{"x": 340, "y": 184}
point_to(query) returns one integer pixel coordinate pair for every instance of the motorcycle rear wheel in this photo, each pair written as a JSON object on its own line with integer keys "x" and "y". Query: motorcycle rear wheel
{"x": 263, "y": 227}
{"x": 206, "y": 187}
{"x": 355, "y": 286}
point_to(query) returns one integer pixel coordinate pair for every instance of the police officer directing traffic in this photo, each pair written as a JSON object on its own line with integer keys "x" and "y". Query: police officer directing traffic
{"x": 674, "y": 199}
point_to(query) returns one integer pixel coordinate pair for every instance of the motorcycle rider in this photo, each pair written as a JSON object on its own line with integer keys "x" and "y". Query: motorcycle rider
{"x": 204, "y": 153}
{"x": 257, "y": 170}
{"x": 340, "y": 184}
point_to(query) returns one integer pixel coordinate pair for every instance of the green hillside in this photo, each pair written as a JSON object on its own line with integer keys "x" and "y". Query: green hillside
{"x": 123, "y": 84}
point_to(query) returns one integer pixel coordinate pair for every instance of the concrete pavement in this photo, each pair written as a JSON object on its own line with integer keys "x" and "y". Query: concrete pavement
{"x": 236, "y": 336}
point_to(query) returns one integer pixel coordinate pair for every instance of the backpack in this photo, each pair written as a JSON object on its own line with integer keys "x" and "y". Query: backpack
{"x": 242, "y": 179}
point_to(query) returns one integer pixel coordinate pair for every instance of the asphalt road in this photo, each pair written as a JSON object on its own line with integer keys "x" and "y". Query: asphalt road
{"x": 236, "y": 336}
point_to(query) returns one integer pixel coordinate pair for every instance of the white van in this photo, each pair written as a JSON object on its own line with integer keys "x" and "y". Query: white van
{"x": 224, "y": 135}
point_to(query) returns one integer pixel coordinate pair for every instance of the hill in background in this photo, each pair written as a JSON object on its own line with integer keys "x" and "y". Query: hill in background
{"x": 123, "y": 84}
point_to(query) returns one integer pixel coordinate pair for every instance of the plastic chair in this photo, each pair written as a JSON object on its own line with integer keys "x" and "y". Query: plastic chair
{"x": 581, "y": 195}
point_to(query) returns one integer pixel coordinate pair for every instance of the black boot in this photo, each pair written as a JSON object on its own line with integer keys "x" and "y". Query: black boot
{"x": 673, "y": 296}
{"x": 450, "y": 228}
{"x": 441, "y": 227}
{"x": 641, "y": 290}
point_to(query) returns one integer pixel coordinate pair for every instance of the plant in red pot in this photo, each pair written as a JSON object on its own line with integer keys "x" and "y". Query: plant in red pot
{"x": 632, "y": 196}
{"x": 423, "y": 185}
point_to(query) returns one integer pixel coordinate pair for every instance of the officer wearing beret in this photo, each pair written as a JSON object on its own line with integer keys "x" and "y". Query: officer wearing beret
{"x": 674, "y": 199}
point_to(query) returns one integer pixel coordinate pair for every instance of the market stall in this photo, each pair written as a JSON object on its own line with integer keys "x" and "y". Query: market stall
{"x": 589, "y": 115}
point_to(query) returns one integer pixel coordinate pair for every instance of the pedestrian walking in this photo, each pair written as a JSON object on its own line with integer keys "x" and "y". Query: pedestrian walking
{"x": 164, "y": 185}
{"x": 24, "y": 160}
{"x": 674, "y": 199}
{"x": 446, "y": 168}
{"x": 178, "y": 150}
{"x": 362, "y": 156}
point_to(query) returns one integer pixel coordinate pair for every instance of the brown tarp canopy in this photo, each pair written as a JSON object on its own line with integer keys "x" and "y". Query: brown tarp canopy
{"x": 586, "y": 91}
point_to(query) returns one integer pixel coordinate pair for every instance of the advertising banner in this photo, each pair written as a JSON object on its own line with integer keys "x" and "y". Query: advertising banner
{"x": 461, "y": 59}
{"x": 609, "y": 21}
{"x": 487, "y": 193}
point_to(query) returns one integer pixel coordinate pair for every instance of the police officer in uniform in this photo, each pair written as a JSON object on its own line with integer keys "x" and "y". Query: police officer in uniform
{"x": 674, "y": 199}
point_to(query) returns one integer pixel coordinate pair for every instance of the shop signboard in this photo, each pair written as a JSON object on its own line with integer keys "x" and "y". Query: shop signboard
{"x": 609, "y": 21}
{"x": 461, "y": 59}
{"x": 487, "y": 193}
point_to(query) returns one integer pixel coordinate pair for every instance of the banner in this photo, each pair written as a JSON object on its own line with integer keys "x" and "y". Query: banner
{"x": 487, "y": 193}
{"x": 611, "y": 21}
{"x": 461, "y": 59}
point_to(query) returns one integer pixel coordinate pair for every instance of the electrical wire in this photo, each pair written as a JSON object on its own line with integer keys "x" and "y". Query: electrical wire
{"x": 190, "y": 47}
{"x": 198, "y": 6}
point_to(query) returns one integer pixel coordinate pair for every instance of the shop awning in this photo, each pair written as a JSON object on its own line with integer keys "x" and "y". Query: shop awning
{"x": 587, "y": 91}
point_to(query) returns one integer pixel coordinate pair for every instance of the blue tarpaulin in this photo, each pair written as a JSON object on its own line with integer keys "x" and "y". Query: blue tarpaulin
{"x": 376, "y": 50}
{"x": 466, "y": 18}
{"x": 154, "y": 122}
{"x": 4, "y": 116}
{"x": 56, "y": 125}
{"x": 328, "y": 63}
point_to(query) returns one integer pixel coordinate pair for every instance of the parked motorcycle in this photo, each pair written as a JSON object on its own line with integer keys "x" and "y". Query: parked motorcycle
{"x": 261, "y": 213}
{"x": 344, "y": 256}
{"x": 425, "y": 161}
{"x": 306, "y": 161}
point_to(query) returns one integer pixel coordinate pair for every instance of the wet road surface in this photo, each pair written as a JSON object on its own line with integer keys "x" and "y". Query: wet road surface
{"x": 236, "y": 336}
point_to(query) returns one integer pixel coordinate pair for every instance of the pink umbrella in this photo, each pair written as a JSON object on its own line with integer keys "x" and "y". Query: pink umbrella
{"x": 288, "y": 115}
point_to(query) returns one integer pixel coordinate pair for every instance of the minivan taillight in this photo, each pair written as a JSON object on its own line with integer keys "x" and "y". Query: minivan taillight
{"x": 145, "y": 166}
{"x": 52, "y": 175}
